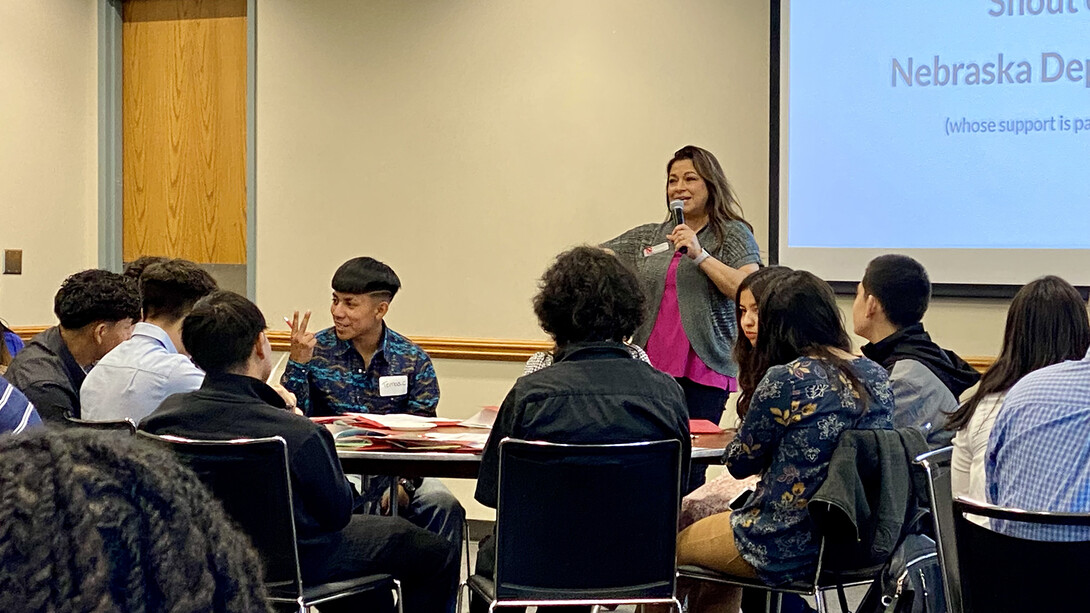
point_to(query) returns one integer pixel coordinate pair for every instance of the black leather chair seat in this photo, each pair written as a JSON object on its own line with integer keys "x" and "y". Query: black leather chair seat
{"x": 317, "y": 594}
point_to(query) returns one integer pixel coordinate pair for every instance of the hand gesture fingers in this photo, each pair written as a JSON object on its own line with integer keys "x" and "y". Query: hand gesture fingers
{"x": 302, "y": 342}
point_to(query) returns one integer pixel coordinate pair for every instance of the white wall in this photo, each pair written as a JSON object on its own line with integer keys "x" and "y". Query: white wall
{"x": 466, "y": 143}
{"x": 48, "y": 150}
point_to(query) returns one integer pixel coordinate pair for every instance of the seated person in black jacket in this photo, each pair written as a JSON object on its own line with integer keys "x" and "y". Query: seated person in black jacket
{"x": 595, "y": 392}
{"x": 225, "y": 334}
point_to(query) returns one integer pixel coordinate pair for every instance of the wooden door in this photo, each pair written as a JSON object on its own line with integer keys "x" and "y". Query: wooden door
{"x": 184, "y": 130}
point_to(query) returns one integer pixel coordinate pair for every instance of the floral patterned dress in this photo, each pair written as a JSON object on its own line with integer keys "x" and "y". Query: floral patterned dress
{"x": 788, "y": 436}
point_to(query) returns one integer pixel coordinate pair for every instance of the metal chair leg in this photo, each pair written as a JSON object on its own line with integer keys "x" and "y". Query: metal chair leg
{"x": 463, "y": 589}
{"x": 464, "y": 585}
{"x": 465, "y": 539}
{"x": 400, "y": 597}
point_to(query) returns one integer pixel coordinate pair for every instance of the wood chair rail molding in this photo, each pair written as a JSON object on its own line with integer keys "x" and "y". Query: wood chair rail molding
{"x": 454, "y": 348}
{"x": 494, "y": 349}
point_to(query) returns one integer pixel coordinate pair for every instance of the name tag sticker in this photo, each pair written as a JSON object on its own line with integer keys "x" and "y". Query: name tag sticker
{"x": 659, "y": 248}
{"x": 394, "y": 385}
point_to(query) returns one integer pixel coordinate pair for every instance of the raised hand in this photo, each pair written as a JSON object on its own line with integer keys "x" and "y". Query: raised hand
{"x": 302, "y": 342}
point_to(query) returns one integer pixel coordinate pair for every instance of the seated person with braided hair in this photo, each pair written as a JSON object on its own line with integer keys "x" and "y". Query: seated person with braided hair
{"x": 92, "y": 522}
{"x": 225, "y": 335}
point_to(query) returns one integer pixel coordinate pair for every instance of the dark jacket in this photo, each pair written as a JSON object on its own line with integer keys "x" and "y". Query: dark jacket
{"x": 927, "y": 381}
{"x": 235, "y": 406}
{"x": 49, "y": 376}
{"x": 592, "y": 394}
{"x": 913, "y": 343}
{"x": 870, "y": 497}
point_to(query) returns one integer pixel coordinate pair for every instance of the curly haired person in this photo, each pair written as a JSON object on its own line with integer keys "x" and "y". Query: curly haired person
{"x": 96, "y": 309}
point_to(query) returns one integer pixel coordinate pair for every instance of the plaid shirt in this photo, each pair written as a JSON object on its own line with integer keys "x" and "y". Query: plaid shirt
{"x": 1038, "y": 456}
{"x": 336, "y": 381}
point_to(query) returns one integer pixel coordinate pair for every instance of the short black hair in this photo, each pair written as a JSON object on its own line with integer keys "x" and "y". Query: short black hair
{"x": 901, "y": 286}
{"x": 366, "y": 276}
{"x": 220, "y": 332}
{"x": 95, "y": 295}
{"x": 589, "y": 295}
{"x": 170, "y": 289}
{"x": 135, "y": 268}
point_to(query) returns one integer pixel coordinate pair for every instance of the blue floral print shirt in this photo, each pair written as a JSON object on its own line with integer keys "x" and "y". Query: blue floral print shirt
{"x": 794, "y": 421}
{"x": 336, "y": 381}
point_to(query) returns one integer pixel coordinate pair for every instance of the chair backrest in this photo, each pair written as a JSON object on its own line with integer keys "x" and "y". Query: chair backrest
{"x": 936, "y": 465}
{"x": 587, "y": 521}
{"x": 250, "y": 478}
{"x": 1001, "y": 573}
{"x": 118, "y": 425}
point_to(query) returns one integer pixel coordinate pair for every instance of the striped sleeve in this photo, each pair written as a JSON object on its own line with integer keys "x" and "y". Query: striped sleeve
{"x": 16, "y": 412}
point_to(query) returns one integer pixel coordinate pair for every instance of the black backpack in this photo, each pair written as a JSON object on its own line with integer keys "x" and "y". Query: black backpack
{"x": 911, "y": 582}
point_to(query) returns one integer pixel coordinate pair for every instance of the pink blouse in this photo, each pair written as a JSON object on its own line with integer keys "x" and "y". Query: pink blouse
{"x": 669, "y": 348}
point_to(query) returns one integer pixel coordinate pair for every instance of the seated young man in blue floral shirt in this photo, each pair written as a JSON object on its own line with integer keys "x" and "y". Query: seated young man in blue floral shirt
{"x": 362, "y": 366}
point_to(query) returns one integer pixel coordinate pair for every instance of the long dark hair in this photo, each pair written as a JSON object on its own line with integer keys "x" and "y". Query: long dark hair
{"x": 94, "y": 522}
{"x": 749, "y": 376}
{"x": 1047, "y": 323}
{"x": 723, "y": 205}
{"x": 799, "y": 317}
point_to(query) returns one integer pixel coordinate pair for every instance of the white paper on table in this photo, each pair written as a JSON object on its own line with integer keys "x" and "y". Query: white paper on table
{"x": 483, "y": 419}
{"x": 395, "y": 420}
{"x": 473, "y": 440}
{"x": 460, "y": 437}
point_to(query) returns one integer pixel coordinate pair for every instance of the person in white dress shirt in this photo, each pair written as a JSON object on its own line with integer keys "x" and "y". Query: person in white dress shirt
{"x": 134, "y": 378}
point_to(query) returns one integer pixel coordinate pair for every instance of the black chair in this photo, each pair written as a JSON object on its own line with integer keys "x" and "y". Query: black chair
{"x": 118, "y": 425}
{"x": 824, "y": 580}
{"x": 937, "y": 466}
{"x": 841, "y": 563}
{"x": 1001, "y": 573}
{"x": 250, "y": 477}
{"x": 585, "y": 525}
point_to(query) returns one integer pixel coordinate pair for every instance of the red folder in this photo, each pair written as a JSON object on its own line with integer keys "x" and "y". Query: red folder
{"x": 703, "y": 426}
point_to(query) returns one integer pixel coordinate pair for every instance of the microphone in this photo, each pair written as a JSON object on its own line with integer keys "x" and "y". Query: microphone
{"x": 677, "y": 208}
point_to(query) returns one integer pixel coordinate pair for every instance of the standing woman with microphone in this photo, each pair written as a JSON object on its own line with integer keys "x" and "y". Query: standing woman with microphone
{"x": 690, "y": 266}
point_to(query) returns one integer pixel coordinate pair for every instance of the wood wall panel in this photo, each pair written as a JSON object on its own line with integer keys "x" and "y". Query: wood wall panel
{"x": 184, "y": 129}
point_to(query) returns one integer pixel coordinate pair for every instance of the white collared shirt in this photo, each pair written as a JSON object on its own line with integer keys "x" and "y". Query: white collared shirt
{"x": 135, "y": 377}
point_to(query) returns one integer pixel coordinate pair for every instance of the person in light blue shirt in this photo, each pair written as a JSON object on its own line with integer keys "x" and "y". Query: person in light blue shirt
{"x": 16, "y": 412}
{"x": 1037, "y": 451}
{"x": 135, "y": 377}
